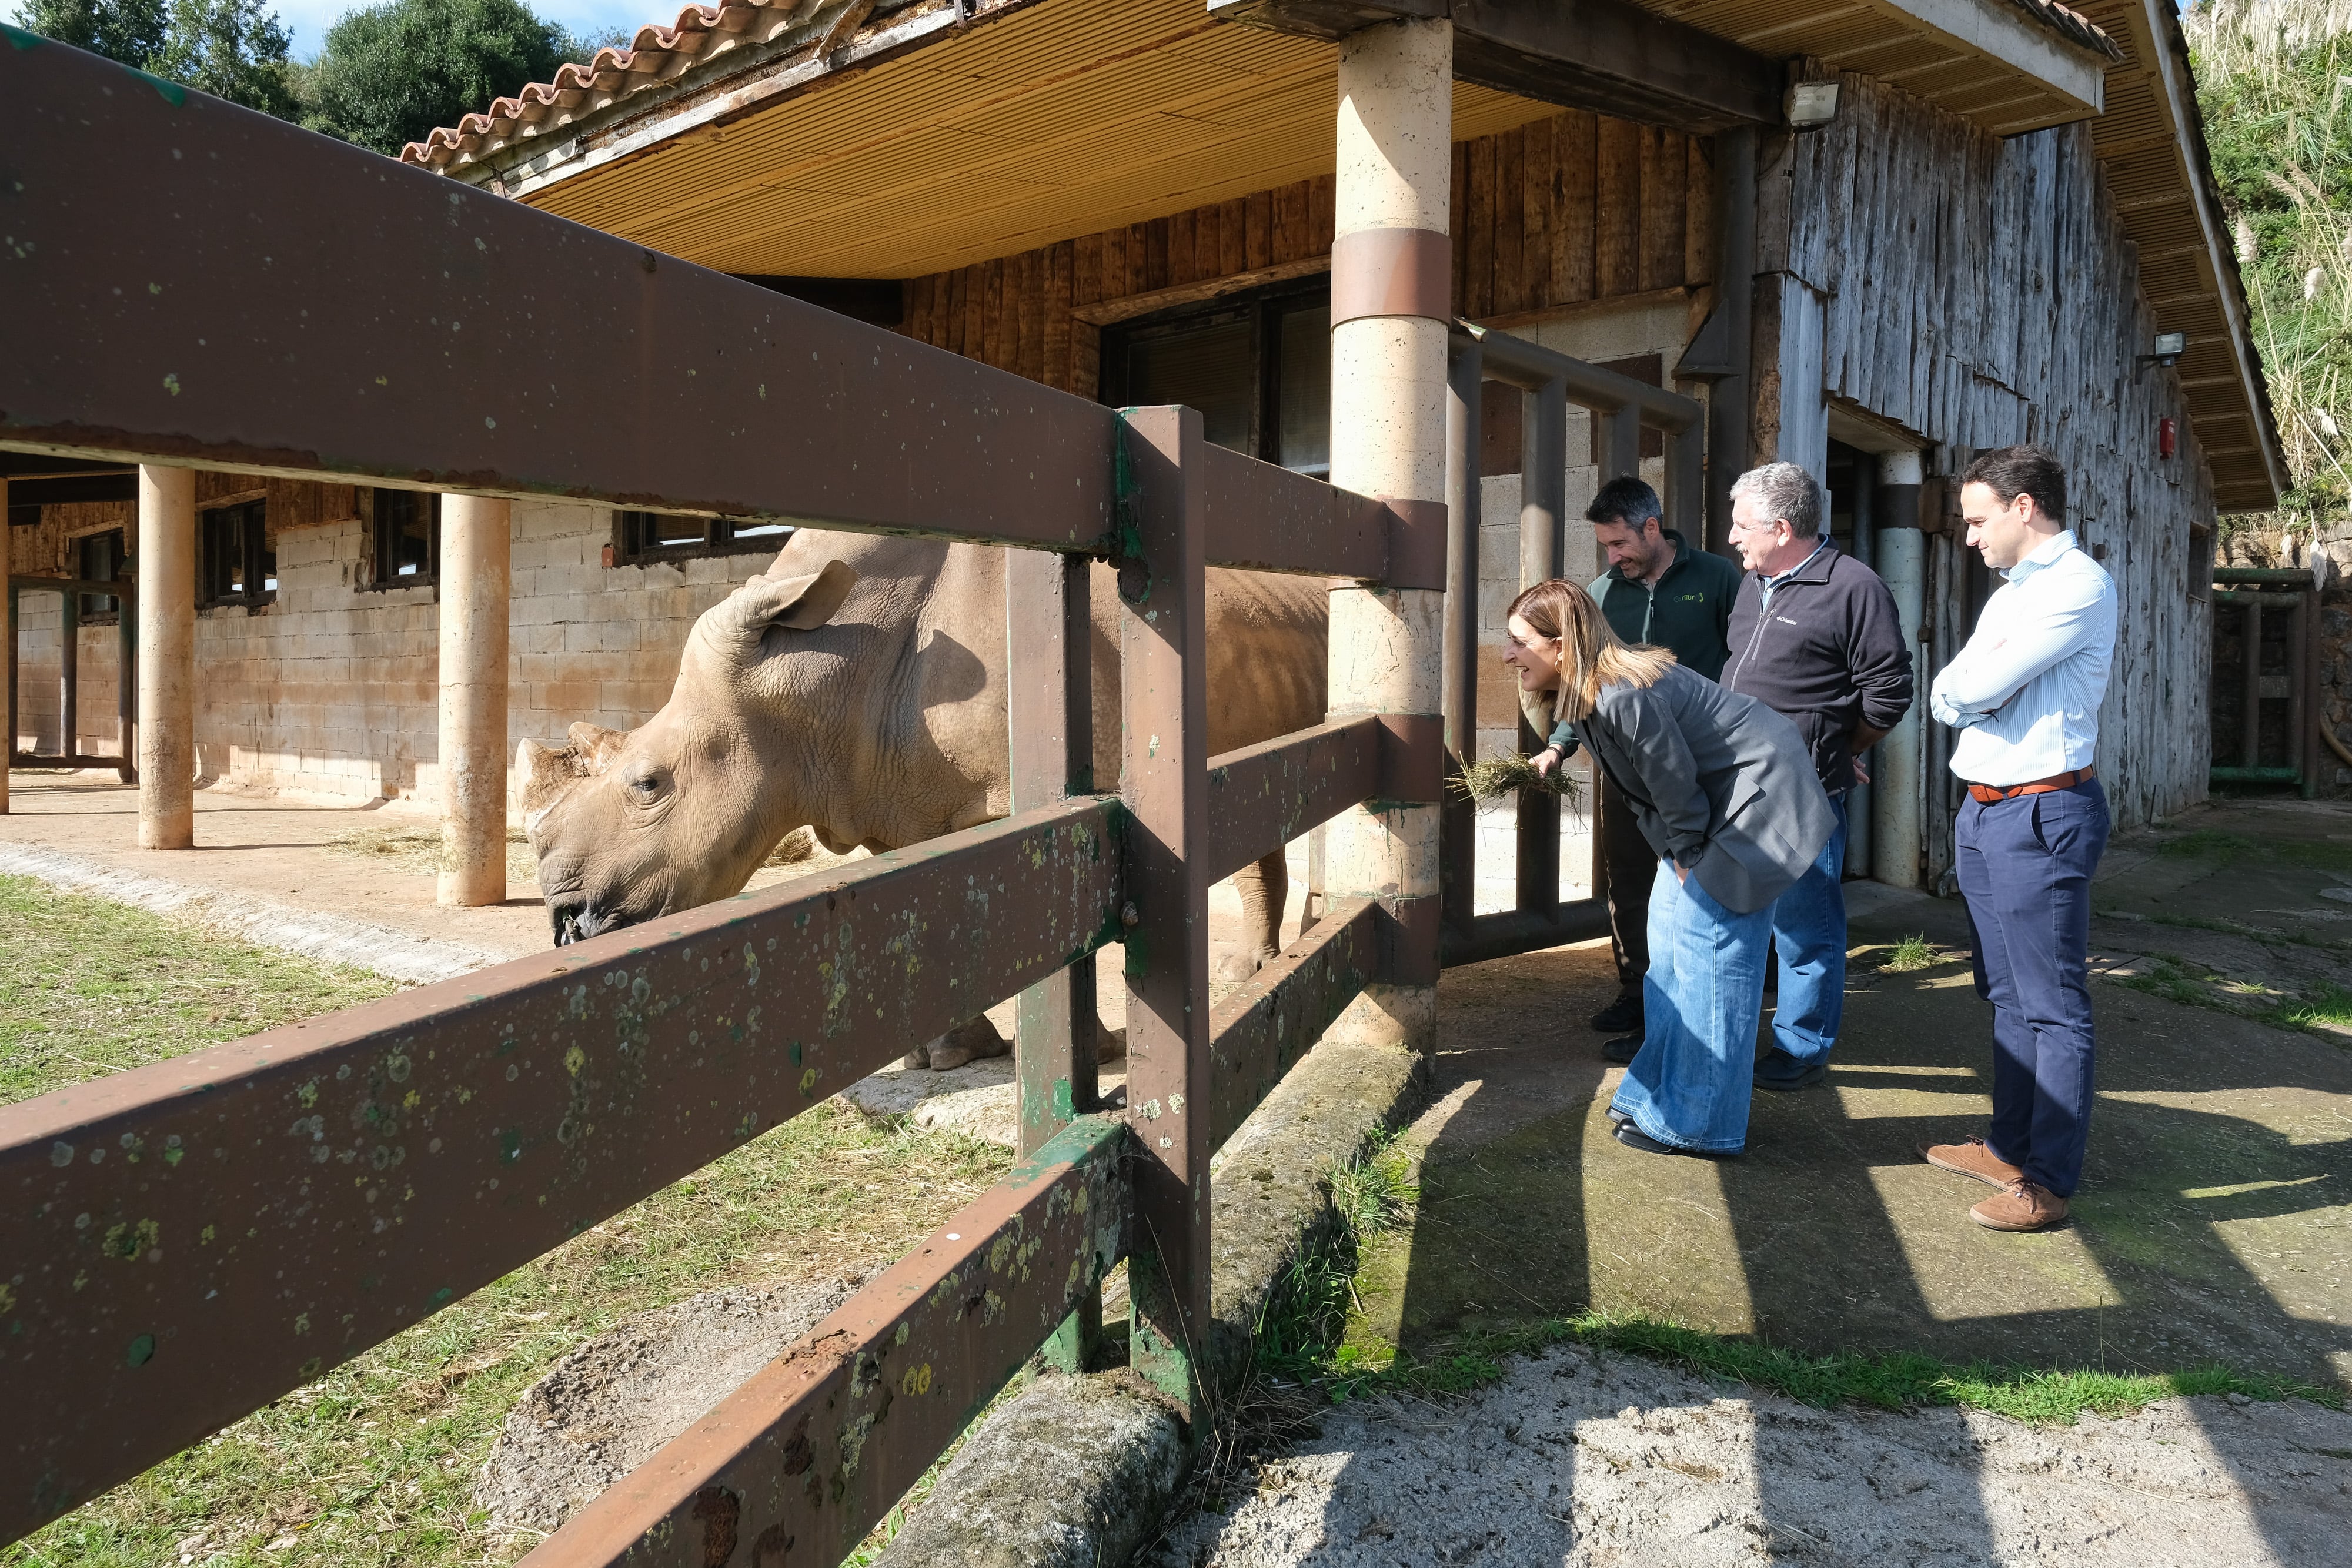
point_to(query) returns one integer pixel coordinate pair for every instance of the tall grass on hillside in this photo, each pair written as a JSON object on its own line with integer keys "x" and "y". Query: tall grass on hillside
{"x": 2274, "y": 80}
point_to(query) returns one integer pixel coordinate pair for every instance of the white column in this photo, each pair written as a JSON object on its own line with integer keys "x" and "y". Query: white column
{"x": 1394, "y": 163}
{"x": 167, "y": 658}
{"x": 1895, "y": 794}
{"x": 476, "y": 552}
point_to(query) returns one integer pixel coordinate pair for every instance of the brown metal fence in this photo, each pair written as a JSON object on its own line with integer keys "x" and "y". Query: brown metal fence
{"x": 190, "y": 283}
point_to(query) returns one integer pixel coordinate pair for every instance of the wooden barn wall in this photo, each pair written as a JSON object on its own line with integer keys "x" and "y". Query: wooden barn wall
{"x": 1980, "y": 292}
{"x": 1569, "y": 211}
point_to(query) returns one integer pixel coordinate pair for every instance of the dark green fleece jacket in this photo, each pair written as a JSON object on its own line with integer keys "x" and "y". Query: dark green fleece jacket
{"x": 1690, "y": 612}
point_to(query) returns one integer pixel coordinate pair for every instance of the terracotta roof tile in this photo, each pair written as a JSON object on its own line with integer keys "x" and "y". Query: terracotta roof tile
{"x": 656, "y": 55}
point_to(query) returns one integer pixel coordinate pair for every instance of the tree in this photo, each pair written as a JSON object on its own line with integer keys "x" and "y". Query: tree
{"x": 390, "y": 74}
{"x": 129, "y": 32}
{"x": 230, "y": 48}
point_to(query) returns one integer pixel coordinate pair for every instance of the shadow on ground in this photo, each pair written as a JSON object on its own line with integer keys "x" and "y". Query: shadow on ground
{"x": 2214, "y": 1223}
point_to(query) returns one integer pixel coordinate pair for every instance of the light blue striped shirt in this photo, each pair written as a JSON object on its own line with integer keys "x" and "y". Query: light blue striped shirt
{"x": 2025, "y": 692}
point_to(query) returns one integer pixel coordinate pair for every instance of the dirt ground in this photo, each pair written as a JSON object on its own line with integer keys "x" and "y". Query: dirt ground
{"x": 1580, "y": 1458}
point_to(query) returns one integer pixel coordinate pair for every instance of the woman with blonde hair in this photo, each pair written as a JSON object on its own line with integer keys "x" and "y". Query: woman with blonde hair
{"x": 1725, "y": 794}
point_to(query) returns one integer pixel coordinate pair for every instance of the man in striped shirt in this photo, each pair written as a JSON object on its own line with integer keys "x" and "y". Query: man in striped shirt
{"x": 2024, "y": 695}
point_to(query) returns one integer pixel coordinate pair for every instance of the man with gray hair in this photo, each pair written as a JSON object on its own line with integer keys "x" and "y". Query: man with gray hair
{"x": 1814, "y": 636}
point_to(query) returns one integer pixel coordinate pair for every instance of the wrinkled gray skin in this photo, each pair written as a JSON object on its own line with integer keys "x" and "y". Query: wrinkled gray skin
{"x": 857, "y": 688}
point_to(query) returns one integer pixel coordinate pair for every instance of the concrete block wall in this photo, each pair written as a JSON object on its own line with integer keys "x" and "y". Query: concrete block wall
{"x": 330, "y": 691}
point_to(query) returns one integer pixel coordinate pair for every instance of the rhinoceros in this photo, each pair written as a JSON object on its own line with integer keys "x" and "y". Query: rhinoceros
{"x": 856, "y": 689}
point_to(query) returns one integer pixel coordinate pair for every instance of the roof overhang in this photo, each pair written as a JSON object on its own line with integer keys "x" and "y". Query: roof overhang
{"x": 2151, "y": 143}
{"x": 924, "y": 143}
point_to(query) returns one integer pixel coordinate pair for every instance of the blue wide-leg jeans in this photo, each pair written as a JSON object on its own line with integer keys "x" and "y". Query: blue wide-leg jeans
{"x": 1809, "y": 932}
{"x": 2025, "y": 867}
{"x": 1690, "y": 1083}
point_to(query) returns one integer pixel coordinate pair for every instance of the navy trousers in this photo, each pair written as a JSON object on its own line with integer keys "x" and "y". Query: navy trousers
{"x": 2025, "y": 867}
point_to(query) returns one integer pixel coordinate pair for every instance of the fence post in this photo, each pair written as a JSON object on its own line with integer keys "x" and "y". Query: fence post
{"x": 1049, "y": 703}
{"x": 1543, "y": 545}
{"x": 1164, "y": 781}
{"x": 1458, "y": 817}
{"x": 167, "y": 666}
{"x": 1391, "y": 312}
{"x": 8, "y": 626}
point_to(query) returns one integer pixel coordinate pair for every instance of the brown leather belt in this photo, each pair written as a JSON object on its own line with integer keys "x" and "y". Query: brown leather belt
{"x": 1993, "y": 794}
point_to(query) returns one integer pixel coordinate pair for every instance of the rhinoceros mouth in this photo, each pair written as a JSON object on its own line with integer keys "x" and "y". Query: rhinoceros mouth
{"x": 574, "y": 921}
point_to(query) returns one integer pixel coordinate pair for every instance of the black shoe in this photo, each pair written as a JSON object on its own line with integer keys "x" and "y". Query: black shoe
{"x": 1779, "y": 1071}
{"x": 1624, "y": 1013}
{"x": 1633, "y": 1137}
{"x": 1621, "y": 1049}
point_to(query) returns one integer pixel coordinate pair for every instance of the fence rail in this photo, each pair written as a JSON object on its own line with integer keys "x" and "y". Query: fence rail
{"x": 190, "y": 1239}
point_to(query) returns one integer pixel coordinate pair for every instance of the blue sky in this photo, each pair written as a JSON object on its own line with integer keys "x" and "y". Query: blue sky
{"x": 308, "y": 20}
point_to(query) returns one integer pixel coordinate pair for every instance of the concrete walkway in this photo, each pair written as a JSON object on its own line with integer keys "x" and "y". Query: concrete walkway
{"x": 2214, "y": 1224}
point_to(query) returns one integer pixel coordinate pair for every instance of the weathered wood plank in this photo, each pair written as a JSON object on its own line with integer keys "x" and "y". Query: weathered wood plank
{"x": 1478, "y": 220}
{"x": 1510, "y": 225}
{"x": 1577, "y": 144}
{"x": 1617, "y": 227}
{"x": 1664, "y": 190}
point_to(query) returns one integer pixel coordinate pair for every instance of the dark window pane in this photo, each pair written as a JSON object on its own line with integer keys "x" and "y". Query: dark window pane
{"x": 665, "y": 531}
{"x": 1210, "y": 367}
{"x": 98, "y": 558}
{"x": 740, "y": 532}
{"x": 1304, "y": 442}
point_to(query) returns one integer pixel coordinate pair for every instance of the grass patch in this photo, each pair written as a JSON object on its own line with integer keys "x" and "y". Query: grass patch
{"x": 92, "y": 988}
{"x": 2260, "y": 933}
{"x": 2174, "y": 980}
{"x": 1914, "y": 951}
{"x": 2332, "y": 1006}
{"x": 1880, "y": 1382}
{"x": 2214, "y": 843}
{"x": 374, "y": 1464}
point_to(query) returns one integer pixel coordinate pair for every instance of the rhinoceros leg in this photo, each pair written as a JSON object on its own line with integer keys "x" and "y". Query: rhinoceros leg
{"x": 1265, "y": 887}
{"x": 968, "y": 1042}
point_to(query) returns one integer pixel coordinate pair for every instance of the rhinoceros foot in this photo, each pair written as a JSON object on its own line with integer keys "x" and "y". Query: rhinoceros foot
{"x": 968, "y": 1042}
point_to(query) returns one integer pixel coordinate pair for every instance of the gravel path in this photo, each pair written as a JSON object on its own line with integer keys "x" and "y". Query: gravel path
{"x": 1581, "y": 1458}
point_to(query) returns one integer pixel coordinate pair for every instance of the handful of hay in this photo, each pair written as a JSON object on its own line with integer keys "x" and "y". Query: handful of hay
{"x": 1489, "y": 778}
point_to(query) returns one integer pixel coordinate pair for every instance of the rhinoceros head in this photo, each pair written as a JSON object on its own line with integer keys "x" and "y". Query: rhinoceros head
{"x": 631, "y": 826}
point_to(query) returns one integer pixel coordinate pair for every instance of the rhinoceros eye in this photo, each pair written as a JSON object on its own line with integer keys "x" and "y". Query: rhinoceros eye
{"x": 644, "y": 783}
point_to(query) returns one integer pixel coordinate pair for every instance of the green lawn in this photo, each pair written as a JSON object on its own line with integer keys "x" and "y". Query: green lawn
{"x": 375, "y": 1463}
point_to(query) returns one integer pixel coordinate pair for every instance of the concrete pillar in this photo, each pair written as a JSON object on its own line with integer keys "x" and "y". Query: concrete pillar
{"x": 476, "y": 551}
{"x": 1896, "y": 797}
{"x": 1390, "y": 308}
{"x": 167, "y": 658}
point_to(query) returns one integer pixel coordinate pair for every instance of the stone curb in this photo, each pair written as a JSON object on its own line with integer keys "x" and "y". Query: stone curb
{"x": 1076, "y": 1472}
{"x": 335, "y": 938}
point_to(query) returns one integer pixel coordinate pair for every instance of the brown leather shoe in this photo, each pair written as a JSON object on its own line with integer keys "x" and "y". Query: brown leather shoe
{"x": 2022, "y": 1205}
{"x": 1970, "y": 1158}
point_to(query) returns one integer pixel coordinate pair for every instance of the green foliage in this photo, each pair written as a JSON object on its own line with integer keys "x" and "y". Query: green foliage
{"x": 391, "y": 73}
{"x": 1914, "y": 951}
{"x": 231, "y": 49}
{"x": 130, "y": 32}
{"x": 2272, "y": 85}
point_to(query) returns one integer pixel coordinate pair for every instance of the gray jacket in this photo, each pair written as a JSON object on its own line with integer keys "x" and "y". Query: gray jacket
{"x": 1719, "y": 783}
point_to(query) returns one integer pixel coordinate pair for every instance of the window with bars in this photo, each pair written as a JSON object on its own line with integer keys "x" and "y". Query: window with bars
{"x": 644, "y": 538}
{"x": 235, "y": 564}
{"x": 405, "y": 531}
{"x": 1257, "y": 365}
{"x": 101, "y": 557}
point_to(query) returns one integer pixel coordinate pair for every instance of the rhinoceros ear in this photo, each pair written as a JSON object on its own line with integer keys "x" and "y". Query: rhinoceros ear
{"x": 796, "y": 603}
{"x": 594, "y": 746}
{"x": 546, "y": 774}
